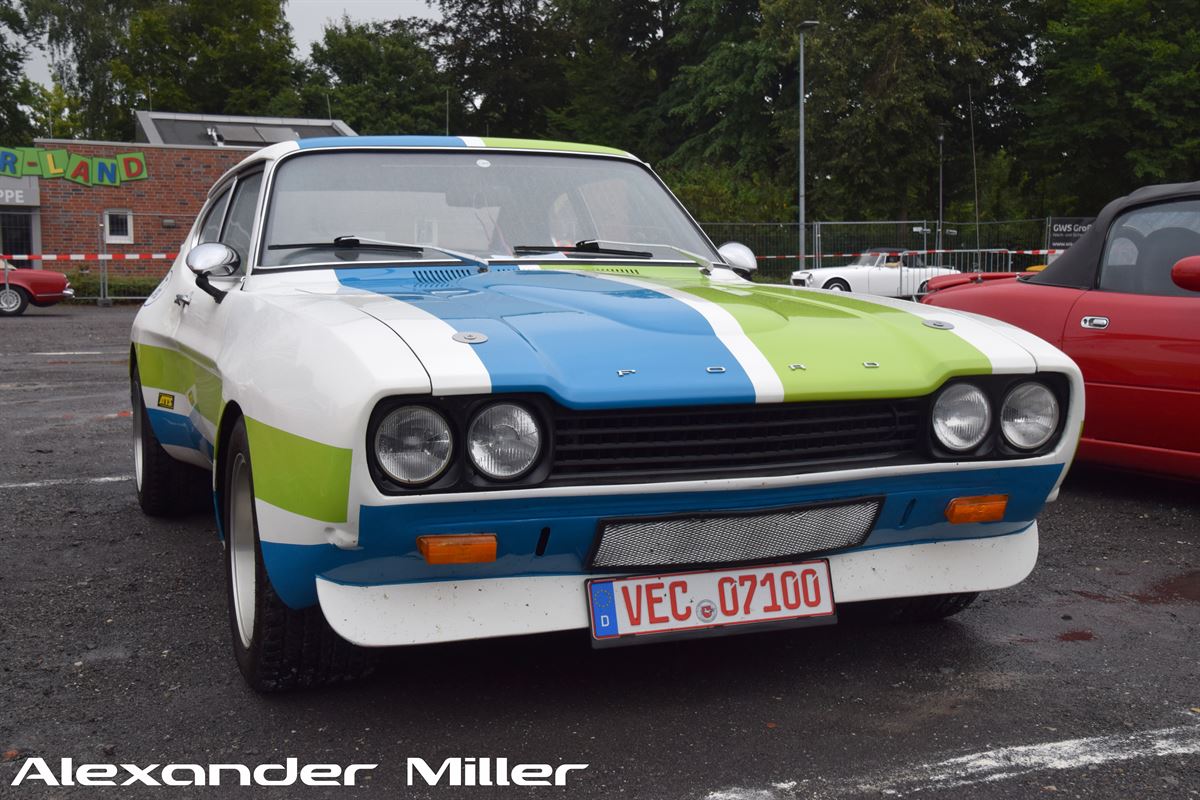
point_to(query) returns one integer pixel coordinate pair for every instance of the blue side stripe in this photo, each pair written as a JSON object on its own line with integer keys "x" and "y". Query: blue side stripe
{"x": 569, "y": 335}
{"x": 178, "y": 430}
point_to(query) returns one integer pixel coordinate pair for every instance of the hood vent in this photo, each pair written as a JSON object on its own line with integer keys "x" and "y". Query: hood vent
{"x": 436, "y": 275}
{"x": 620, "y": 270}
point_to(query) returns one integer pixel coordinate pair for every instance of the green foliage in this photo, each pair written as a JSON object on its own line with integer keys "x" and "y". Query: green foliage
{"x": 1073, "y": 101}
{"x": 1115, "y": 102}
{"x": 16, "y": 92}
{"x": 378, "y": 77}
{"x": 57, "y": 114}
{"x": 84, "y": 36}
{"x": 228, "y": 57}
{"x": 504, "y": 56}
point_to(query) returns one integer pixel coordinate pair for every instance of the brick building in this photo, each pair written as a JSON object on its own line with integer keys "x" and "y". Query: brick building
{"x": 66, "y": 196}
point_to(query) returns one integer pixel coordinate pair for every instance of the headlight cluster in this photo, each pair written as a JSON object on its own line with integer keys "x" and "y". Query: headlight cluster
{"x": 415, "y": 444}
{"x": 962, "y": 416}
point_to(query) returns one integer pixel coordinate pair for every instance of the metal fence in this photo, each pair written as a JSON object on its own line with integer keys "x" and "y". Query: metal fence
{"x": 110, "y": 255}
{"x": 986, "y": 247}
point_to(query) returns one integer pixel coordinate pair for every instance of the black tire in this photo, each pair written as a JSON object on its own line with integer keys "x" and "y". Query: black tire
{"x": 10, "y": 307}
{"x": 165, "y": 487}
{"x": 908, "y": 609}
{"x": 923, "y": 289}
{"x": 836, "y": 285}
{"x": 277, "y": 647}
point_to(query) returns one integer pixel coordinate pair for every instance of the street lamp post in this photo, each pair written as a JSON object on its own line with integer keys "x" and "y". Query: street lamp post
{"x": 805, "y": 26}
{"x": 941, "y": 138}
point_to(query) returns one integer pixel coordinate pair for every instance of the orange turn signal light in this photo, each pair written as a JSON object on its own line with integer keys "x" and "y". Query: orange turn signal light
{"x": 458, "y": 548}
{"x": 984, "y": 508}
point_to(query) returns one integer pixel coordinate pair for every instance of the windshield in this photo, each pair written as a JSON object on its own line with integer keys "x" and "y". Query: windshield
{"x": 864, "y": 260}
{"x": 486, "y": 204}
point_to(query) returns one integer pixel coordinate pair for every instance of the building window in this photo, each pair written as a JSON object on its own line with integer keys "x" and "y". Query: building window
{"x": 118, "y": 227}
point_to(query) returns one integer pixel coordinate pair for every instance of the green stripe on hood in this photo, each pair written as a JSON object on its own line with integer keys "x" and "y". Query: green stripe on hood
{"x": 298, "y": 474}
{"x": 832, "y": 336}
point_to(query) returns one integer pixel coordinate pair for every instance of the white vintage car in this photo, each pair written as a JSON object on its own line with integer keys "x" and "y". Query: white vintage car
{"x": 880, "y": 270}
{"x": 448, "y": 388}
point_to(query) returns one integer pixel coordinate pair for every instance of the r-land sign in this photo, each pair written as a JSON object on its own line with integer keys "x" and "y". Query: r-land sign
{"x": 42, "y": 162}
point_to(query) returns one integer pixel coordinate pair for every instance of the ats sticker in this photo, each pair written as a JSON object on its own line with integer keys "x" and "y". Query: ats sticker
{"x": 166, "y": 400}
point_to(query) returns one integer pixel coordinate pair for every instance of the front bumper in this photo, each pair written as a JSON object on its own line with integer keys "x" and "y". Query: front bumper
{"x": 445, "y": 611}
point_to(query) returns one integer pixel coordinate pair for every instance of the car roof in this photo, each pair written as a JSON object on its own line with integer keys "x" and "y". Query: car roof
{"x": 1076, "y": 268}
{"x": 276, "y": 151}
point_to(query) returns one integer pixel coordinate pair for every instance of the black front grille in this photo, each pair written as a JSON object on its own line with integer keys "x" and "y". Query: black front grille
{"x": 666, "y": 443}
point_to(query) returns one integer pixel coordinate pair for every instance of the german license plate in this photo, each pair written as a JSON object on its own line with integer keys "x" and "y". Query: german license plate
{"x": 708, "y": 602}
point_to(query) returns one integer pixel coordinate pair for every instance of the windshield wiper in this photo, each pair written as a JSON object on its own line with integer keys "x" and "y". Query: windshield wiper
{"x": 705, "y": 264}
{"x": 351, "y": 241}
{"x": 590, "y": 246}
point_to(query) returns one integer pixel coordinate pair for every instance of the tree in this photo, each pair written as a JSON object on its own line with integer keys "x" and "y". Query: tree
{"x": 1113, "y": 105}
{"x": 16, "y": 91}
{"x": 83, "y": 38}
{"x": 884, "y": 76}
{"x": 615, "y": 67}
{"x": 231, "y": 57}
{"x": 504, "y": 56}
{"x": 379, "y": 77}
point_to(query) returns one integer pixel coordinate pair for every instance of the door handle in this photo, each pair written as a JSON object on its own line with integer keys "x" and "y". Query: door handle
{"x": 1094, "y": 323}
{"x": 183, "y": 300}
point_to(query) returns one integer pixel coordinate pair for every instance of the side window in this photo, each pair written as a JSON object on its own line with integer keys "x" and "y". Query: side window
{"x": 240, "y": 222}
{"x": 1144, "y": 243}
{"x": 210, "y": 231}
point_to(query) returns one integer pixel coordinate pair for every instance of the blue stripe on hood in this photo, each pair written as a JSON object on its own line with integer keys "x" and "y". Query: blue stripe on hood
{"x": 568, "y": 335}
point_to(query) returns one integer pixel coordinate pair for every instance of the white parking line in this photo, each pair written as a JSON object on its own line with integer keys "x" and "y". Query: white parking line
{"x": 991, "y": 766}
{"x": 65, "y": 482}
{"x": 79, "y": 353}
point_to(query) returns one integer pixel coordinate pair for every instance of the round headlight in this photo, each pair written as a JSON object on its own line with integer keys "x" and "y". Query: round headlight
{"x": 961, "y": 417}
{"x": 504, "y": 441}
{"x": 1029, "y": 416}
{"x": 413, "y": 444}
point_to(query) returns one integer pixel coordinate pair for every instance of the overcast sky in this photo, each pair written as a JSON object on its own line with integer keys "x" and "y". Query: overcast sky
{"x": 308, "y": 18}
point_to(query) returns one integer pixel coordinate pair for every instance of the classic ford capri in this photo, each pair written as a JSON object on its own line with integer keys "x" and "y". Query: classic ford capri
{"x": 452, "y": 388}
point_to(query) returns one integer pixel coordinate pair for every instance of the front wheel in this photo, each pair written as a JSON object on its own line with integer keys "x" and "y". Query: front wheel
{"x": 909, "y": 609}
{"x": 13, "y": 301}
{"x": 276, "y": 647}
{"x": 836, "y": 285}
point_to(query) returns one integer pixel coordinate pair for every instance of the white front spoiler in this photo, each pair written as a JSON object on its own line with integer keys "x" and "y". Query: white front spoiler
{"x": 445, "y": 611}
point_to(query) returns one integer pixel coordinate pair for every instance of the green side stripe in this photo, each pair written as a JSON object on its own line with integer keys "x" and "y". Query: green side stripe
{"x": 533, "y": 144}
{"x": 298, "y": 474}
{"x": 172, "y": 371}
{"x": 830, "y": 335}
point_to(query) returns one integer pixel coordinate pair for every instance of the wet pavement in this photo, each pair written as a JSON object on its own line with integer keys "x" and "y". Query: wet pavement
{"x": 1084, "y": 681}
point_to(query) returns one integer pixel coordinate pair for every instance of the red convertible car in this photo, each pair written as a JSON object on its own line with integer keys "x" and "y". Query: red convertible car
{"x": 1124, "y": 302}
{"x": 21, "y": 287}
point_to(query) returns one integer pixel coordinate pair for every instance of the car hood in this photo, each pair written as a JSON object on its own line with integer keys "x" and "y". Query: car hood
{"x": 596, "y": 336}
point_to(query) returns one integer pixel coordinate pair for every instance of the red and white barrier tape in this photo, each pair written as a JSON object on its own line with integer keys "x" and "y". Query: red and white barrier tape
{"x": 88, "y": 256}
{"x": 915, "y": 252}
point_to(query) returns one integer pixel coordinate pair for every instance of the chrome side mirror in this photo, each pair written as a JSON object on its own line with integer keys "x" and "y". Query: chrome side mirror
{"x": 738, "y": 256}
{"x": 213, "y": 259}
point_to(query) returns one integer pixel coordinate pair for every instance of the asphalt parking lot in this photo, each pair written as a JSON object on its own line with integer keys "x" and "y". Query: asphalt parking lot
{"x": 1084, "y": 681}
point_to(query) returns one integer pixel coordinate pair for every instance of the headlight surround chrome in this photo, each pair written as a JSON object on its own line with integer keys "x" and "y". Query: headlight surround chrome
{"x": 962, "y": 417}
{"x": 414, "y": 444}
{"x": 504, "y": 441}
{"x": 1029, "y": 416}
